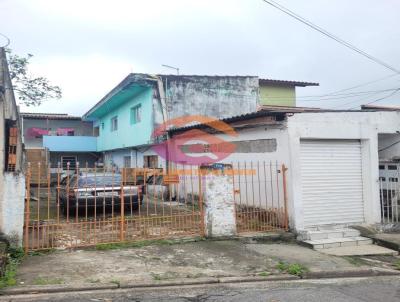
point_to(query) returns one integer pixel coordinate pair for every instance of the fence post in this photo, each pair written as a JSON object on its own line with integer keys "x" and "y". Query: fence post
{"x": 285, "y": 199}
{"x": 219, "y": 205}
{"x": 122, "y": 233}
{"x": 27, "y": 205}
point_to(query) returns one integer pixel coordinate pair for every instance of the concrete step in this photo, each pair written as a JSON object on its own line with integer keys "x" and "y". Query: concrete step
{"x": 338, "y": 242}
{"x": 327, "y": 234}
{"x": 360, "y": 250}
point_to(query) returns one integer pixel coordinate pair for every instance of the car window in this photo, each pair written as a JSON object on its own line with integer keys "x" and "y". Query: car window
{"x": 100, "y": 181}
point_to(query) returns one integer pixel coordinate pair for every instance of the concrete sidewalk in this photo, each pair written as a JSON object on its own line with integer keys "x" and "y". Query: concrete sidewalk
{"x": 168, "y": 262}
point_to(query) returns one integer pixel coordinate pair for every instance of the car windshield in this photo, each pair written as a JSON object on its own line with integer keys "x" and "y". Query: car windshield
{"x": 100, "y": 181}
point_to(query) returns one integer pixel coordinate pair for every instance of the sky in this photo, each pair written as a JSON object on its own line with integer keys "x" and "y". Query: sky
{"x": 87, "y": 47}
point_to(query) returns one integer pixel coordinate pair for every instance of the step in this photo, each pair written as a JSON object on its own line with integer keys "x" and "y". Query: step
{"x": 338, "y": 242}
{"x": 359, "y": 250}
{"x": 328, "y": 234}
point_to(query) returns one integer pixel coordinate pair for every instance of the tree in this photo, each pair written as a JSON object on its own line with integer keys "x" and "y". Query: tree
{"x": 31, "y": 90}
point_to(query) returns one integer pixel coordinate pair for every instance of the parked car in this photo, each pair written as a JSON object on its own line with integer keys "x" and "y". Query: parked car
{"x": 98, "y": 190}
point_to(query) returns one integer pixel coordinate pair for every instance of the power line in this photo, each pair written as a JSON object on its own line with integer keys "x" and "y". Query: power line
{"x": 380, "y": 99}
{"x": 328, "y": 34}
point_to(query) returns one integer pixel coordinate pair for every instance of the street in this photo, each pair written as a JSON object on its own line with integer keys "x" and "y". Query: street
{"x": 350, "y": 289}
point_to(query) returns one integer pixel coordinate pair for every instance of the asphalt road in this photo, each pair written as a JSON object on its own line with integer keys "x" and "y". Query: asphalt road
{"x": 351, "y": 289}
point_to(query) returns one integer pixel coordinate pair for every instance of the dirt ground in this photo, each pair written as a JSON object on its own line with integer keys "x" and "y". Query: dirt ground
{"x": 176, "y": 261}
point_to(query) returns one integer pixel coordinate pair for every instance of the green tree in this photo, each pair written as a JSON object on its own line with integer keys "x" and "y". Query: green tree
{"x": 31, "y": 90}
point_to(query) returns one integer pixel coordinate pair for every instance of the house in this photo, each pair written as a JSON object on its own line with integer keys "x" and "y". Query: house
{"x": 332, "y": 159}
{"x": 12, "y": 178}
{"x": 127, "y": 116}
{"x": 59, "y": 139}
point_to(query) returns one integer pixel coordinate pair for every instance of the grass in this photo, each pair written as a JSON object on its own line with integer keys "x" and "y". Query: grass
{"x": 264, "y": 274}
{"x": 356, "y": 261}
{"x": 136, "y": 244}
{"x": 15, "y": 256}
{"x": 115, "y": 281}
{"x": 295, "y": 269}
{"x": 397, "y": 265}
{"x": 41, "y": 252}
{"x": 47, "y": 281}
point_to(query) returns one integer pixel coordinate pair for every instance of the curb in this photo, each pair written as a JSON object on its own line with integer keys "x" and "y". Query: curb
{"x": 370, "y": 272}
{"x": 385, "y": 243}
{"x": 38, "y": 289}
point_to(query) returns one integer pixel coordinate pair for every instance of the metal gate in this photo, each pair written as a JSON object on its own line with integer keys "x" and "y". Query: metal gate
{"x": 72, "y": 206}
{"x": 260, "y": 193}
{"x": 389, "y": 185}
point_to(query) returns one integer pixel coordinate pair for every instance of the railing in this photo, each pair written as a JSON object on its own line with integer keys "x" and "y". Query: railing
{"x": 389, "y": 177}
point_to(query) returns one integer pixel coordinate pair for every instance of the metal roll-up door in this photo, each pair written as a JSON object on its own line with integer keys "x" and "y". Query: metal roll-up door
{"x": 331, "y": 178}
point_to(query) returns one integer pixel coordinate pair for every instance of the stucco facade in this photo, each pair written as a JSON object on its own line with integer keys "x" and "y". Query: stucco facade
{"x": 330, "y": 126}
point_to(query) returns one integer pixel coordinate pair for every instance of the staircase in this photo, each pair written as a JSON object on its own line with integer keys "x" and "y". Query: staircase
{"x": 341, "y": 241}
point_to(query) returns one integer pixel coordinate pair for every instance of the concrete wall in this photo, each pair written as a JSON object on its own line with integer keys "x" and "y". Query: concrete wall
{"x": 363, "y": 126}
{"x": 12, "y": 196}
{"x": 216, "y": 96}
{"x": 277, "y": 95}
{"x": 80, "y": 129}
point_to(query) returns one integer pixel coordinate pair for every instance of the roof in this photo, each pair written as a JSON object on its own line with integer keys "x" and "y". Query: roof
{"x": 380, "y": 108}
{"x": 146, "y": 79}
{"x": 49, "y": 116}
{"x": 278, "y": 111}
{"x": 287, "y": 83}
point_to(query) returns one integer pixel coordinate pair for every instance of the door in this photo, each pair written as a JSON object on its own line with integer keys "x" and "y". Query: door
{"x": 331, "y": 180}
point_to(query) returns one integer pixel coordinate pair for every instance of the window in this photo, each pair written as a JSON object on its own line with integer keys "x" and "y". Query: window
{"x": 96, "y": 131}
{"x": 381, "y": 167}
{"x": 382, "y": 178}
{"x": 127, "y": 161}
{"x": 150, "y": 161}
{"x": 136, "y": 114}
{"x": 392, "y": 167}
{"x": 68, "y": 159}
{"x": 114, "y": 123}
{"x": 393, "y": 179}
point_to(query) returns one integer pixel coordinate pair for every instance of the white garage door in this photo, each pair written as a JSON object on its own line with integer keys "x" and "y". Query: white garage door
{"x": 331, "y": 178}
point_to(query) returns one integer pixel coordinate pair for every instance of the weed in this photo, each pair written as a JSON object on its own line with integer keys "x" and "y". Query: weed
{"x": 264, "y": 274}
{"x": 282, "y": 266}
{"x": 356, "y": 261}
{"x": 292, "y": 269}
{"x": 42, "y": 252}
{"x": 397, "y": 265}
{"x": 15, "y": 256}
{"x": 115, "y": 281}
{"x": 157, "y": 277}
{"x": 93, "y": 280}
{"x": 47, "y": 281}
{"x": 296, "y": 269}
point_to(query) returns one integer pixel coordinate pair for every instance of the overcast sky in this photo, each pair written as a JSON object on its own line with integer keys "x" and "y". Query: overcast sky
{"x": 88, "y": 46}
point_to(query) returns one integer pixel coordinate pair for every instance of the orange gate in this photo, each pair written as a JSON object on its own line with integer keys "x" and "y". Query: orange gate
{"x": 75, "y": 206}
{"x": 260, "y": 193}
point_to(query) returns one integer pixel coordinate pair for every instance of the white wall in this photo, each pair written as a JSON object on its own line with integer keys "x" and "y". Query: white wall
{"x": 364, "y": 126}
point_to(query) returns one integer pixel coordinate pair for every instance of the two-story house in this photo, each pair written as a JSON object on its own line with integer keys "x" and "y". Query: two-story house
{"x": 127, "y": 116}
{"x": 59, "y": 139}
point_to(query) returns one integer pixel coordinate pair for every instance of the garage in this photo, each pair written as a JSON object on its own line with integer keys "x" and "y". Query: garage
{"x": 332, "y": 185}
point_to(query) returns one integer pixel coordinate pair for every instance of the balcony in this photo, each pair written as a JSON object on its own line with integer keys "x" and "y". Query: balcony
{"x": 70, "y": 143}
